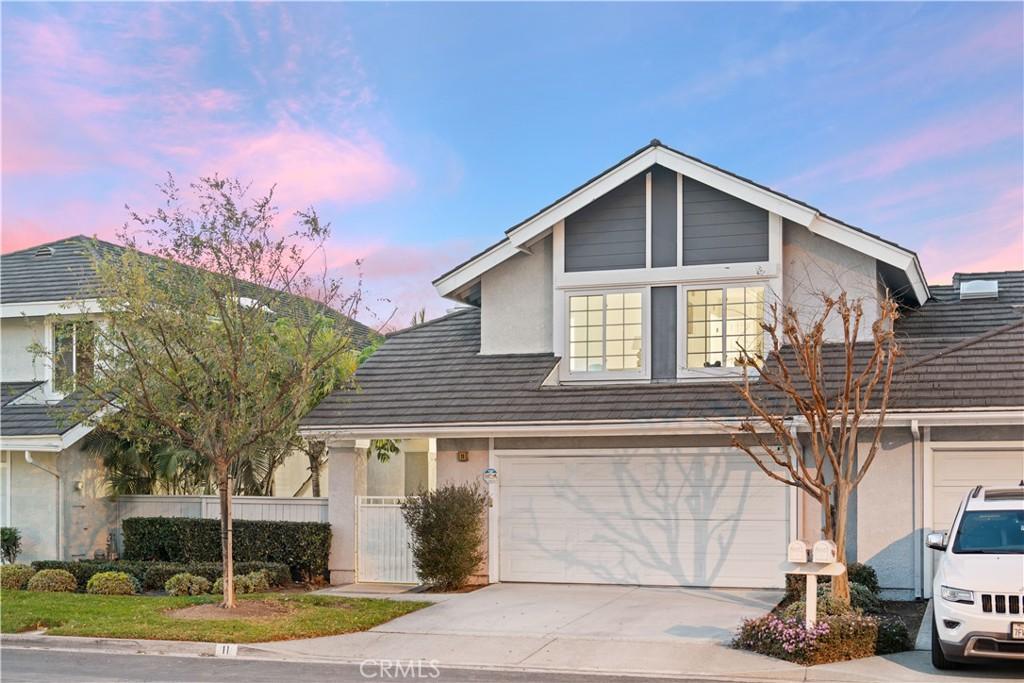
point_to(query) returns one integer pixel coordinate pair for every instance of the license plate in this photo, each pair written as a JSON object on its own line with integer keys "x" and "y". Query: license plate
{"x": 1017, "y": 630}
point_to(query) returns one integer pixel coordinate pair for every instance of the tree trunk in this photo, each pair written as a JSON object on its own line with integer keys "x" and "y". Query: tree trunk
{"x": 841, "y": 583}
{"x": 226, "y": 539}
{"x": 315, "y": 453}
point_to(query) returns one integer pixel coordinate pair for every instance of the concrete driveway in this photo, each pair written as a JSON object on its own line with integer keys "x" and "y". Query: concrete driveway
{"x": 593, "y": 612}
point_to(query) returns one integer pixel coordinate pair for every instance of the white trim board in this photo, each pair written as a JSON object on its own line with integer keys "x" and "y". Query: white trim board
{"x": 40, "y": 308}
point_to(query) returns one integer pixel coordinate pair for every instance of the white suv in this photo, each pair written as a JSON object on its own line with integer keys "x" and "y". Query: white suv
{"x": 978, "y": 594}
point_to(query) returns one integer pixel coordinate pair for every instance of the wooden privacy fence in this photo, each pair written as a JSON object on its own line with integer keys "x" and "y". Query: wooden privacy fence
{"x": 267, "y": 508}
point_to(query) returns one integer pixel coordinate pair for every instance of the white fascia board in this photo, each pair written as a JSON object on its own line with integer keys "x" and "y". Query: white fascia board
{"x": 475, "y": 268}
{"x": 543, "y": 221}
{"x": 41, "y": 308}
{"x": 748, "y": 192}
{"x": 939, "y": 417}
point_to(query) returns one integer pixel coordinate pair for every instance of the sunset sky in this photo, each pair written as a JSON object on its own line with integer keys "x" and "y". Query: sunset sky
{"x": 423, "y": 131}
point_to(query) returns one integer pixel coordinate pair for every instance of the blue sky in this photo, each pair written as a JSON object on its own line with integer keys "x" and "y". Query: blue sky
{"x": 422, "y": 131}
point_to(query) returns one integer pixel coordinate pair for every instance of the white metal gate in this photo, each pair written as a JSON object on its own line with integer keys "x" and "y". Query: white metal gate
{"x": 383, "y": 541}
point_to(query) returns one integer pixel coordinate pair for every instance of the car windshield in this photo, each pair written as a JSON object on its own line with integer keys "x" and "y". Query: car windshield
{"x": 991, "y": 531}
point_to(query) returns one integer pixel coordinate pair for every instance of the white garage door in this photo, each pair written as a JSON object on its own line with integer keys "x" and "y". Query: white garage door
{"x": 676, "y": 518}
{"x": 959, "y": 470}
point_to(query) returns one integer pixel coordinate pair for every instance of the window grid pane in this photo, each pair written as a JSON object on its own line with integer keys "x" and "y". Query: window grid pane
{"x": 721, "y": 323}
{"x": 606, "y": 332}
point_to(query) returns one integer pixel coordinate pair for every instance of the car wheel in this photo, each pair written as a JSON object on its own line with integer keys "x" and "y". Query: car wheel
{"x": 939, "y": 660}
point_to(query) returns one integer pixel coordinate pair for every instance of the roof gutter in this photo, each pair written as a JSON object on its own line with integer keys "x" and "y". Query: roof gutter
{"x": 945, "y": 417}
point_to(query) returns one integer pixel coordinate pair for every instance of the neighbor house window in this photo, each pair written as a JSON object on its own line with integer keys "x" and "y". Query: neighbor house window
{"x": 74, "y": 347}
{"x": 606, "y": 332}
{"x": 722, "y": 322}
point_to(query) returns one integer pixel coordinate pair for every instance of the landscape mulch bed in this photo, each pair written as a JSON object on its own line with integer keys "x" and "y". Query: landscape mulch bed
{"x": 248, "y": 609}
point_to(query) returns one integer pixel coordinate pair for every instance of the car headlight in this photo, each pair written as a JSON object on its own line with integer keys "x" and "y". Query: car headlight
{"x": 958, "y": 595}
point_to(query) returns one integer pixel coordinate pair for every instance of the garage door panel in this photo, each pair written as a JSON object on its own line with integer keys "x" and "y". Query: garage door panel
{"x": 957, "y": 471}
{"x": 583, "y": 502}
{"x": 668, "y": 519}
{"x": 643, "y": 471}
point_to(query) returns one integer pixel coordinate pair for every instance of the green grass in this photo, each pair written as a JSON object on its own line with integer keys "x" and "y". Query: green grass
{"x": 80, "y": 614}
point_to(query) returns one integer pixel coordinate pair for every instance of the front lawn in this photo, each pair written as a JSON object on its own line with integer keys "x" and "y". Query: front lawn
{"x": 288, "y": 616}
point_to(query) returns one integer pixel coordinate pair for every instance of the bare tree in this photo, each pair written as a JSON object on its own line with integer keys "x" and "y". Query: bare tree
{"x": 837, "y": 392}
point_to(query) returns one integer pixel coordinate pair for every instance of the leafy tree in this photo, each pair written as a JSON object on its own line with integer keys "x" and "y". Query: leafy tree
{"x": 218, "y": 335}
{"x": 792, "y": 382}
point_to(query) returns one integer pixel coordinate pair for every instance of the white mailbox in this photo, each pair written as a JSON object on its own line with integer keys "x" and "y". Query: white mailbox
{"x": 824, "y": 551}
{"x": 798, "y": 551}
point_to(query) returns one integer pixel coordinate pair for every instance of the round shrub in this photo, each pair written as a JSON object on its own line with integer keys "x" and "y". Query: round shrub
{"x": 827, "y": 606}
{"x": 893, "y": 636}
{"x": 243, "y": 585}
{"x": 187, "y": 584}
{"x": 862, "y": 598}
{"x": 863, "y": 574}
{"x": 448, "y": 532}
{"x": 112, "y": 583}
{"x": 53, "y": 581}
{"x": 15, "y": 576}
{"x": 259, "y": 582}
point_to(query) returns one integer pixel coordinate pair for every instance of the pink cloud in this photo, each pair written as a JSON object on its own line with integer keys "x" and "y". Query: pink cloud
{"x": 991, "y": 238}
{"x": 949, "y": 136}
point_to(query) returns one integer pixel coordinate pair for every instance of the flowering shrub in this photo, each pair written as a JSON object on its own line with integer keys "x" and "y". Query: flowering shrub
{"x": 785, "y": 638}
{"x": 832, "y": 639}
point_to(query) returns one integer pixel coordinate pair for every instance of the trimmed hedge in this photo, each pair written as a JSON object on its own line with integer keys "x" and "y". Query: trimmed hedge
{"x": 153, "y": 575}
{"x": 303, "y": 546}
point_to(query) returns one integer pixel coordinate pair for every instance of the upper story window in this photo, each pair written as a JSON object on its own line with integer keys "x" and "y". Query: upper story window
{"x": 606, "y": 333}
{"x": 74, "y": 352}
{"x": 720, "y": 323}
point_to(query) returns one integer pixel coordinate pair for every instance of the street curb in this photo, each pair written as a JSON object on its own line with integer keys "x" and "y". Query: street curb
{"x": 177, "y": 648}
{"x": 924, "y": 633}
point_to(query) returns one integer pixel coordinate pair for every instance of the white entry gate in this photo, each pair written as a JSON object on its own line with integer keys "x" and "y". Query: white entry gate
{"x": 383, "y": 541}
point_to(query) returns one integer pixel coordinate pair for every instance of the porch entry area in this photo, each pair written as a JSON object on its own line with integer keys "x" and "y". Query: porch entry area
{"x": 383, "y": 554}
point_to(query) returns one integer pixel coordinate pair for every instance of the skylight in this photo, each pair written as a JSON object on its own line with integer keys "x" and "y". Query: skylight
{"x": 979, "y": 289}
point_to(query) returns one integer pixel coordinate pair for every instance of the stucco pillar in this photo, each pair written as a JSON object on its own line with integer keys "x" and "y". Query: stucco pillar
{"x": 347, "y": 465}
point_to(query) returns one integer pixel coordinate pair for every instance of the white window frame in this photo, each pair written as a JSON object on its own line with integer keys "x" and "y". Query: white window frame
{"x": 50, "y": 340}
{"x": 643, "y": 373}
{"x": 684, "y": 372}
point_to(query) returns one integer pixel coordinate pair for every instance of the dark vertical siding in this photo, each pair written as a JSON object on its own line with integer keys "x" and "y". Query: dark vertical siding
{"x": 663, "y": 332}
{"x": 663, "y": 217}
{"x": 719, "y": 228}
{"x": 610, "y": 233}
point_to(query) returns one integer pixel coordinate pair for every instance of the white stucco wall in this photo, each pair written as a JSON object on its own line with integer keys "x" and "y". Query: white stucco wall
{"x": 89, "y": 515}
{"x": 886, "y": 535}
{"x": 16, "y": 363}
{"x": 813, "y": 264}
{"x": 515, "y": 310}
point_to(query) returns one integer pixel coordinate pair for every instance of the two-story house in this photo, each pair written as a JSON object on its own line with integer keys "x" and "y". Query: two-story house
{"x": 591, "y": 369}
{"x": 52, "y": 489}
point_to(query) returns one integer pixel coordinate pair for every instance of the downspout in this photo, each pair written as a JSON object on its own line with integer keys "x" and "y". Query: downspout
{"x": 60, "y": 500}
{"x": 918, "y": 503}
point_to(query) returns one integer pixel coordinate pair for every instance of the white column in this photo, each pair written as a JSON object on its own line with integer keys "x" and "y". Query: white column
{"x": 347, "y": 467}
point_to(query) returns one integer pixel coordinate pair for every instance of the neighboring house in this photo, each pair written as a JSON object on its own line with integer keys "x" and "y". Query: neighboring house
{"x": 593, "y": 366}
{"x": 52, "y": 489}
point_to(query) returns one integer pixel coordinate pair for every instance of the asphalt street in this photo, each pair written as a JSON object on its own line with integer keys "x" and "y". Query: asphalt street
{"x": 21, "y": 665}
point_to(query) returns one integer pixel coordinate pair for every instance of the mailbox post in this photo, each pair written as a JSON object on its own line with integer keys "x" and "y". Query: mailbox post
{"x": 812, "y": 562}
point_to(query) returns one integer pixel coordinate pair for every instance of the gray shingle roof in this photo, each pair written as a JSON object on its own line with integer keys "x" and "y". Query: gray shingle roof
{"x": 12, "y": 390}
{"x": 945, "y": 315}
{"x": 63, "y": 270}
{"x": 39, "y": 419}
{"x": 434, "y": 375}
